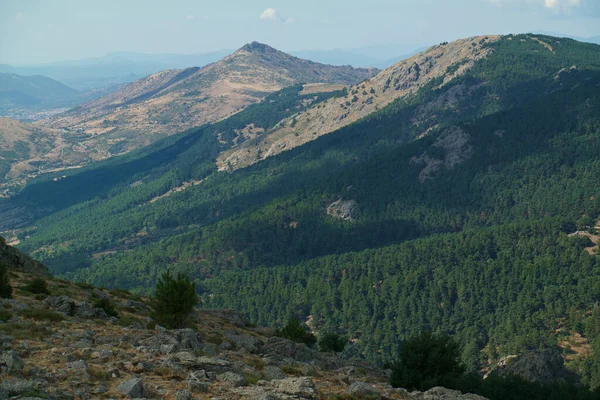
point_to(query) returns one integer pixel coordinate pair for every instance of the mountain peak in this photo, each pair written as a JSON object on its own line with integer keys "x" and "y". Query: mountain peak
{"x": 256, "y": 47}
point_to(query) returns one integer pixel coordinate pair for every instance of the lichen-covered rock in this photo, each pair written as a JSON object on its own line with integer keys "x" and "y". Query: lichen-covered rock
{"x": 245, "y": 342}
{"x": 362, "y": 389}
{"x": 302, "y": 387}
{"x": 440, "y": 393}
{"x": 277, "y": 348}
{"x": 132, "y": 388}
{"x": 271, "y": 372}
{"x": 232, "y": 379}
{"x": 183, "y": 395}
{"x": 77, "y": 366}
{"x": 10, "y": 361}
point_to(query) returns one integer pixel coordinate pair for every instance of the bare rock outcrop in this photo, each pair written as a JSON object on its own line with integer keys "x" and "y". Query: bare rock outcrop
{"x": 454, "y": 142}
{"x": 343, "y": 209}
{"x": 16, "y": 260}
{"x": 538, "y": 366}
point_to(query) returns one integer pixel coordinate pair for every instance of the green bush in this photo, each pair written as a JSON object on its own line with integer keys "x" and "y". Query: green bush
{"x": 5, "y": 288}
{"x": 331, "y": 342}
{"x": 37, "y": 286}
{"x": 107, "y": 306}
{"x": 174, "y": 300}
{"x": 5, "y": 315}
{"x": 42, "y": 315}
{"x": 297, "y": 332}
{"x": 426, "y": 360}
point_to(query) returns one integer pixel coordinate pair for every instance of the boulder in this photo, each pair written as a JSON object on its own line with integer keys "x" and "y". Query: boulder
{"x": 183, "y": 395}
{"x": 362, "y": 389}
{"x": 245, "y": 342}
{"x": 232, "y": 379}
{"x": 77, "y": 366}
{"x": 440, "y": 393}
{"x": 62, "y": 304}
{"x": 302, "y": 387}
{"x": 538, "y": 366}
{"x": 16, "y": 387}
{"x": 271, "y": 372}
{"x": 10, "y": 361}
{"x": 132, "y": 388}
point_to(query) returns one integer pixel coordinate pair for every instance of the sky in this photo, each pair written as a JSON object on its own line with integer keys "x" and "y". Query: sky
{"x": 42, "y": 31}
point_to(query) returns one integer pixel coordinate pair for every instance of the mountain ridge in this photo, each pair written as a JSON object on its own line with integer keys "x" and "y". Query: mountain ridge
{"x": 175, "y": 100}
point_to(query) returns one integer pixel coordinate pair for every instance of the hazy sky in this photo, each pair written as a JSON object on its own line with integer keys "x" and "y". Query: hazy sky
{"x": 34, "y": 31}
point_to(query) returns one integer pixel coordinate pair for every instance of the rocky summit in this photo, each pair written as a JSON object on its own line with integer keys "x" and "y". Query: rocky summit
{"x": 76, "y": 341}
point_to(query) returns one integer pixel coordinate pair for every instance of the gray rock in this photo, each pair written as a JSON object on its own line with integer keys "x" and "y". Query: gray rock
{"x": 195, "y": 386}
{"x": 440, "y": 393}
{"x": 232, "y": 379}
{"x": 245, "y": 342}
{"x": 11, "y": 361}
{"x": 14, "y": 259}
{"x": 197, "y": 382}
{"x": 271, "y": 372}
{"x": 18, "y": 386}
{"x": 302, "y": 387}
{"x": 278, "y": 348}
{"x": 85, "y": 310}
{"x": 343, "y": 209}
{"x": 77, "y": 366}
{"x": 539, "y": 366}
{"x": 188, "y": 339}
{"x": 132, "y": 388}
{"x": 208, "y": 350}
{"x": 309, "y": 370}
{"x": 62, "y": 304}
{"x": 225, "y": 345}
{"x": 183, "y": 395}
{"x": 100, "y": 294}
{"x": 362, "y": 389}
{"x": 24, "y": 346}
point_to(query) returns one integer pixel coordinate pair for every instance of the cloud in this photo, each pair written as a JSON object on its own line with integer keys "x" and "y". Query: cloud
{"x": 556, "y": 6}
{"x": 190, "y": 17}
{"x": 19, "y": 16}
{"x": 271, "y": 14}
{"x": 562, "y": 5}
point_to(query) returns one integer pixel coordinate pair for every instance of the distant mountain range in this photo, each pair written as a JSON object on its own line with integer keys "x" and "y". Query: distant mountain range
{"x": 37, "y": 90}
{"x": 124, "y": 67}
{"x": 172, "y": 101}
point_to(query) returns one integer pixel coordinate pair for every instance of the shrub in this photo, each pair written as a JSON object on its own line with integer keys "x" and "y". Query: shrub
{"x": 42, "y": 315}
{"x": 5, "y": 315}
{"x": 331, "y": 342}
{"x": 174, "y": 300}
{"x": 5, "y": 288}
{"x": 426, "y": 360}
{"x": 297, "y": 332}
{"x": 37, "y": 286}
{"x": 107, "y": 306}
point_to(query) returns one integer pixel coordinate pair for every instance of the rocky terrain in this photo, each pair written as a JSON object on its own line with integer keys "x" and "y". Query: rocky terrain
{"x": 444, "y": 62}
{"x": 76, "y": 341}
{"x": 27, "y": 150}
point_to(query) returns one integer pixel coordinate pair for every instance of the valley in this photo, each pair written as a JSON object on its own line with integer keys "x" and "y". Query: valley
{"x": 455, "y": 192}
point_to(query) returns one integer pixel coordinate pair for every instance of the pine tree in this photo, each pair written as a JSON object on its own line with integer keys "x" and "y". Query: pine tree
{"x": 174, "y": 300}
{"x": 5, "y": 288}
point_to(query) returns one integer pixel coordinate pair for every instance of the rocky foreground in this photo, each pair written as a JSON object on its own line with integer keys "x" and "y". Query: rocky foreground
{"x": 81, "y": 342}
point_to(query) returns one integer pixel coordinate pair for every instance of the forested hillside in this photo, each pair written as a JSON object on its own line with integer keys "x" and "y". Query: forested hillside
{"x": 468, "y": 208}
